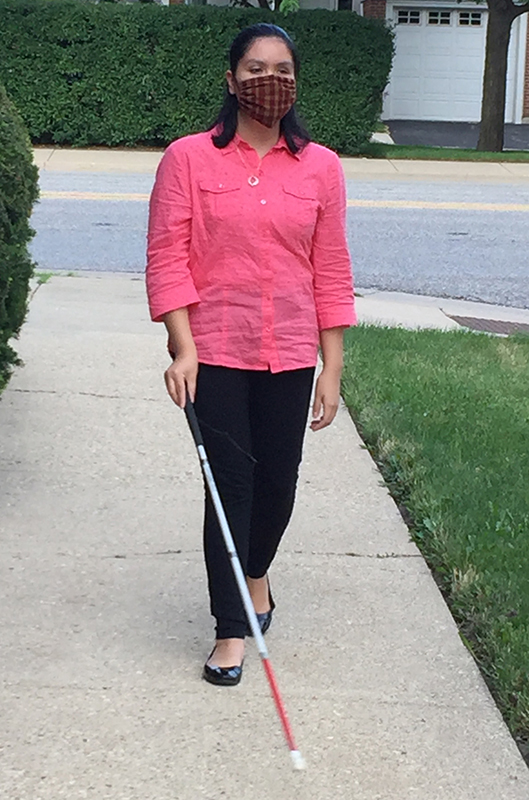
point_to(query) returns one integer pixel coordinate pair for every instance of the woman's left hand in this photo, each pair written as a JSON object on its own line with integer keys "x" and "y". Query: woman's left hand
{"x": 326, "y": 399}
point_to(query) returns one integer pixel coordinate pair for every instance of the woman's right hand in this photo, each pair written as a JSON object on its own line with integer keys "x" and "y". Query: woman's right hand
{"x": 181, "y": 378}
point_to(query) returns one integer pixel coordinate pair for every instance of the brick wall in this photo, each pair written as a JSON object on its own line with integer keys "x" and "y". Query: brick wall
{"x": 375, "y": 9}
{"x": 526, "y": 85}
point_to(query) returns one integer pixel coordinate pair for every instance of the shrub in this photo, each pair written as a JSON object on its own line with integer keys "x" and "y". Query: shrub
{"x": 143, "y": 74}
{"x": 18, "y": 192}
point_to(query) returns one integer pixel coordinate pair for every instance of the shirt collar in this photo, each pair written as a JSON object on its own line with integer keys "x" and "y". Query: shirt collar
{"x": 238, "y": 142}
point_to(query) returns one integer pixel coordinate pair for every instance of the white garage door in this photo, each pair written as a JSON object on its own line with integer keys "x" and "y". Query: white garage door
{"x": 438, "y": 65}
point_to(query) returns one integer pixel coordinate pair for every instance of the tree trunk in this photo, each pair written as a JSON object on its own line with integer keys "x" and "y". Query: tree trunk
{"x": 495, "y": 78}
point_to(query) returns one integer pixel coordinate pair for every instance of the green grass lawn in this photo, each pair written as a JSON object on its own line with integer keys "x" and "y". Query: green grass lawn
{"x": 379, "y": 150}
{"x": 446, "y": 417}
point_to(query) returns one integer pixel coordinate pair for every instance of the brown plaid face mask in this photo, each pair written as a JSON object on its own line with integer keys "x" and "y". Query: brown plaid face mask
{"x": 267, "y": 98}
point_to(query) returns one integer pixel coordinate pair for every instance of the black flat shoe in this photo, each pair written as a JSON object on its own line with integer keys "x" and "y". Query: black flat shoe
{"x": 264, "y": 619}
{"x": 222, "y": 676}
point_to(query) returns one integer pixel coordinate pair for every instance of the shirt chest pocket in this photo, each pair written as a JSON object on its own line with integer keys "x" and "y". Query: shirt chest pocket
{"x": 301, "y": 204}
{"x": 220, "y": 200}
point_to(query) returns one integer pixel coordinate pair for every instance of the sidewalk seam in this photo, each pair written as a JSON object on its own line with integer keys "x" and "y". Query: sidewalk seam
{"x": 45, "y": 164}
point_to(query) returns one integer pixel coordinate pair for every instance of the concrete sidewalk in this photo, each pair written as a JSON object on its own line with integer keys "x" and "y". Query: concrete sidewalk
{"x": 419, "y": 311}
{"x": 146, "y": 162}
{"x": 104, "y": 613}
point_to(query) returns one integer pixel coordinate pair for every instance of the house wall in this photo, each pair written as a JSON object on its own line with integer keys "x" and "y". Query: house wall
{"x": 374, "y": 9}
{"x": 526, "y": 85}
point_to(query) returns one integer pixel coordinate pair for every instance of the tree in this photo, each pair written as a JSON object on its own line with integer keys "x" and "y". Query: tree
{"x": 502, "y": 14}
{"x": 18, "y": 193}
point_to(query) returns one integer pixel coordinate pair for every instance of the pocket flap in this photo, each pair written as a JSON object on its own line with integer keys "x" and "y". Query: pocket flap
{"x": 304, "y": 190}
{"x": 218, "y": 186}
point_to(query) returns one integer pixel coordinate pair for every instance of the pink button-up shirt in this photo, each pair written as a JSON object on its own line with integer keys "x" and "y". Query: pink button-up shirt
{"x": 263, "y": 268}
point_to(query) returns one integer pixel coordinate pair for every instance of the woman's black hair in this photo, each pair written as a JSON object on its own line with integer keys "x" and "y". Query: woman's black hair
{"x": 292, "y": 128}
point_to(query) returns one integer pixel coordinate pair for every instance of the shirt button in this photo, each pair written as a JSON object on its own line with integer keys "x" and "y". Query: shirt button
{"x": 263, "y": 202}
{"x": 221, "y": 185}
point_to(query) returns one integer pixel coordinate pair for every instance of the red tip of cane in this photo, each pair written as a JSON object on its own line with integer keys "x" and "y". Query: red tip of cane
{"x": 281, "y": 710}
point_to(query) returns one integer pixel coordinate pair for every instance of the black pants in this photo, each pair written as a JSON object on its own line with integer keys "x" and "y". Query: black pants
{"x": 253, "y": 423}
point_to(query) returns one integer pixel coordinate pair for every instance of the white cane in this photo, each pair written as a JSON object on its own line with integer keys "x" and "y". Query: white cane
{"x": 297, "y": 758}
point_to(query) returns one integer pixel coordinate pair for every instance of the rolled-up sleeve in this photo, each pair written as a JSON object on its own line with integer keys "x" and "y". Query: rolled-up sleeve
{"x": 333, "y": 278}
{"x": 168, "y": 278}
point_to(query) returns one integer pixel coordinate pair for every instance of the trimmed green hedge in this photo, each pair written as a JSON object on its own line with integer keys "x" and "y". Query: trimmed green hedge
{"x": 142, "y": 74}
{"x": 18, "y": 192}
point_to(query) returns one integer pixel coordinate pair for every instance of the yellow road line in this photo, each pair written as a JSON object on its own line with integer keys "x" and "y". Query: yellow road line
{"x": 412, "y": 204}
{"x": 128, "y": 196}
{"x": 451, "y": 205}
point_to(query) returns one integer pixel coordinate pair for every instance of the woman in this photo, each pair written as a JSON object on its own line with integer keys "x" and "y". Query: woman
{"x": 249, "y": 270}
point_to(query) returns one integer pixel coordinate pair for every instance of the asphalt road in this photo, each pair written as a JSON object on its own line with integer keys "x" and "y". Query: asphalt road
{"x": 476, "y": 249}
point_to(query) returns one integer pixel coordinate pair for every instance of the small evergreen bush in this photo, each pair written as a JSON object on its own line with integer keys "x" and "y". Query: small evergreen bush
{"x": 18, "y": 192}
{"x": 142, "y": 74}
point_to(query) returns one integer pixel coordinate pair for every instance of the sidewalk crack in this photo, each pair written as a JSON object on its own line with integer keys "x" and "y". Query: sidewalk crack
{"x": 151, "y": 555}
{"x": 34, "y": 391}
{"x": 85, "y": 394}
{"x": 357, "y": 555}
{"x": 34, "y": 292}
{"x": 384, "y": 555}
